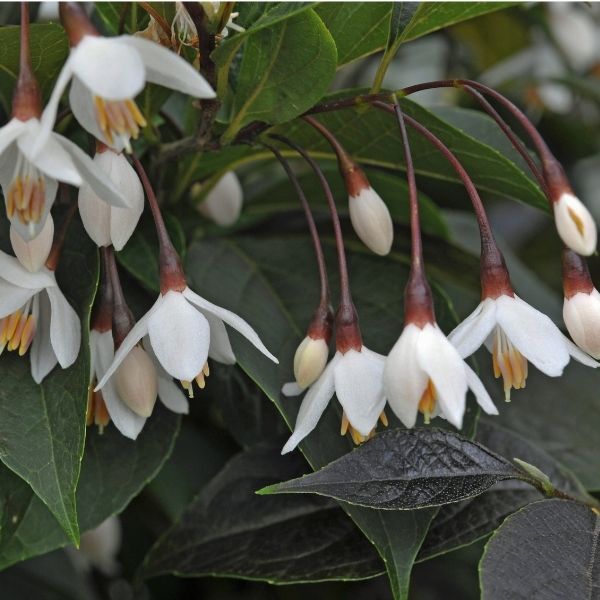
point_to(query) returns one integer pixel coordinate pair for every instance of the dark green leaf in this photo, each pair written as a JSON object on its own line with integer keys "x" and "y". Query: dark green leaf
{"x": 547, "y": 550}
{"x": 229, "y": 531}
{"x": 125, "y": 17}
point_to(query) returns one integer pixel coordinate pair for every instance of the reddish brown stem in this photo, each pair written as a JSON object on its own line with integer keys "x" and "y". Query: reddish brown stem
{"x": 59, "y": 239}
{"x": 75, "y": 21}
{"x": 122, "y": 317}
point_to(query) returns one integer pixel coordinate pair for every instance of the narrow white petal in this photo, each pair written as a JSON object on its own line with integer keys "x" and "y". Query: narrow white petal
{"x": 14, "y": 272}
{"x": 223, "y": 203}
{"x": 579, "y": 355}
{"x": 358, "y": 380}
{"x": 41, "y": 354}
{"x": 533, "y": 334}
{"x": 220, "y": 346}
{"x": 231, "y": 319}
{"x": 10, "y": 132}
{"x": 291, "y": 389}
{"x": 180, "y": 337}
{"x": 481, "y": 394}
{"x": 171, "y": 396}
{"x": 469, "y": 335}
{"x": 95, "y": 215}
{"x": 581, "y": 314}
{"x": 65, "y": 328}
{"x": 32, "y": 254}
{"x": 167, "y": 68}
{"x": 13, "y": 297}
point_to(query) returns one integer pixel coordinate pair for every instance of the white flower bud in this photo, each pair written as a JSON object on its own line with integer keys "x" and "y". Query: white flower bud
{"x": 33, "y": 254}
{"x": 372, "y": 221}
{"x": 581, "y": 314}
{"x": 223, "y": 203}
{"x": 104, "y": 223}
{"x": 136, "y": 382}
{"x": 99, "y": 547}
{"x": 575, "y": 224}
{"x": 310, "y": 360}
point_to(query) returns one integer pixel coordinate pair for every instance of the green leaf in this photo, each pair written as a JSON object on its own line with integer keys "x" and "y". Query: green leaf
{"x": 49, "y": 50}
{"x": 127, "y": 15}
{"x": 42, "y": 427}
{"x": 113, "y": 471}
{"x": 358, "y": 28}
{"x": 229, "y": 531}
{"x": 548, "y": 549}
{"x": 284, "y": 71}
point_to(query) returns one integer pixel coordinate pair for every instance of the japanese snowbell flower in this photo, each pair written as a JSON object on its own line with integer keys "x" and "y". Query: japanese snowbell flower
{"x": 223, "y": 203}
{"x": 575, "y": 224}
{"x": 107, "y": 73}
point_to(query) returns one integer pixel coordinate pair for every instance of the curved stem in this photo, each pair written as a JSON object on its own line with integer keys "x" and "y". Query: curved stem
{"x": 345, "y": 162}
{"x": 25, "y": 57}
{"x": 122, "y": 317}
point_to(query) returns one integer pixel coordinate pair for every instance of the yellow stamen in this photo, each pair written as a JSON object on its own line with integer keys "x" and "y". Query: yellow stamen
{"x": 18, "y": 330}
{"x": 27, "y": 194}
{"x": 119, "y": 118}
{"x": 428, "y": 402}
{"x": 96, "y": 413}
{"x": 188, "y": 386}
{"x": 509, "y": 363}
{"x": 356, "y": 436}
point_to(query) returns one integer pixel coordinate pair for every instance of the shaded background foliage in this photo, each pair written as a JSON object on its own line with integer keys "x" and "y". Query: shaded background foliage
{"x": 184, "y": 491}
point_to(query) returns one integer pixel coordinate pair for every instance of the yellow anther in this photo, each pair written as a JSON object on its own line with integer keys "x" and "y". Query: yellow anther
{"x": 187, "y": 386}
{"x": 509, "y": 363}
{"x": 96, "y": 413}
{"x": 427, "y": 403}
{"x": 356, "y": 436}
{"x": 119, "y": 118}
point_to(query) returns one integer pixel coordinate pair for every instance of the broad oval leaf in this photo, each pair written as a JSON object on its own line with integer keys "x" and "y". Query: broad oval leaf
{"x": 547, "y": 550}
{"x": 406, "y": 469}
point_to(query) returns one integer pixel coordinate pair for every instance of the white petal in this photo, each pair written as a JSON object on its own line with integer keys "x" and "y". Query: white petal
{"x": 180, "y": 337}
{"x": 223, "y": 203}
{"x": 291, "y": 389}
{"x": 481, "y": 394}
{"x": 441, "y": 361}
{"x": 220, "y": 346}
{"x": 533, "y": 334}
{"x": 359, "y": 388}
{"x": 65, "y": 328}
{"x": 95, "y": 215}
{"x": 13, "y": 297}
{"x": 469, "y": 335}
{"x": 171, "y": 396}
{"x": 404, "y": 380}
{"x": 32, "y": 254}
{"x": 575, "y": 224}
{"x": 108, "y": 68}
{"x": 581, "y": 314}
{"x": 231, "y": 319}
{"x": 10, "y": 132}
{"x": 579, "y": 355}
{"x": 314, "y": 404}
{"x": 167, "y": 68}
{"x": 41, "y": 354}
{"x": 14, "y": 272}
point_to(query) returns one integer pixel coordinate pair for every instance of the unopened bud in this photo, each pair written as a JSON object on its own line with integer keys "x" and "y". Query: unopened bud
{"x": 223, "y": 203}
{"x": 136, "y": 382}
{"x": 581, "y": 314}
{"x": 575, "y": 224}
{"x": 33, "y": 254}
{"x": 310, "y": 360}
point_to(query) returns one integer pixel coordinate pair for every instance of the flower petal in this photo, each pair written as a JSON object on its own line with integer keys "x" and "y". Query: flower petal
{"x": 291, "y": 389}
{"x": 172, "y": 397}
{"x": 180, "y": 337}
{"x": 403, "y": 379}
{"x": 167, "y": 68}
{"x": 579, "y": 355}
{"x": 533, "y": 334}
{"x": 359, "y": 388}
{"x": 223, "y": 203}
{"x": 95, "y": 215}
{"x": 481, "y": 394}
{"x": 220, "y": 346}
{"x": 41, "y": 354}
{"x": 81, "y": 101}
{"x": 14, "y": 272}
{"x": 65, "y": 328}
{"x": 313, "y": 405}
{"x": 231, "y": 319}
{"x": 10, "y": 132}
{"x": 469, "y": 335}
{"x": 13, "y": 297}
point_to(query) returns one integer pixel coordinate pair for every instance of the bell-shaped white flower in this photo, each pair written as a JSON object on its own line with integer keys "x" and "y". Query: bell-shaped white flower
{"x": 107, "y": 74}
{"x": 184, "y": 330}
{"x": 310, "y": 360}
{"x": 32, "y": 254}
{"x": 581, "y": 313}
{"x": 223, "y": 203}
{"x": 117, "y": 394}
{"x": 35, "y": 312}
{"x": 31, "y": 165}
{"x": 575, "y": 224}
{"x": 424, "y": 372}
{"x": 515, "y": 333}
{"x": 356, "y": 378}
{"x": 372, "y": 221}
{"x": 104, "y": 223}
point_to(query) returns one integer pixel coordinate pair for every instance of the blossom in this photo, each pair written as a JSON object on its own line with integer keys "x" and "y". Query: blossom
{"x": 356, "y": 378}
{"x": 424, "y": 372}
{"x": 99, "y": 548}
{"x": 184, "y": 330}
{"x": 310, "y": 360}
{"x": 35, "y": 313}
{"x": 515, "y": 333}
{"x": 223, "y": 203}
{"x": 104, "y": 223}
{"x": 31, "y": 165}
{"x": 575, "y": 224}
{"x": 581, "y": 314}
{"x": 32, "y": 254}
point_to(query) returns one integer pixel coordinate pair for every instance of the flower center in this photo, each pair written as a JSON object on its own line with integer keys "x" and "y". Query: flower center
{"x": 120, "y": 119}
{"x": 357, "y": 437}
{"x": 17, "y": 330}
{"x": 97, "y": 413}
{"x": 508, "y": 362}
{"x": 188, "y": 386}
{"x": 26, "y": 195}
{"x": 428, "y": 402}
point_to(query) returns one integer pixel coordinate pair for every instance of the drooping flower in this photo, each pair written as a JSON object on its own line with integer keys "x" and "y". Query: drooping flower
{"x": 575, "y": 224}
{"x": 99, "y": 548}
{"x": 107, "y": 74}
{"x": 104, "y": 223}
{"x": 223, "y": 203}
{"x": 32, "y": 254}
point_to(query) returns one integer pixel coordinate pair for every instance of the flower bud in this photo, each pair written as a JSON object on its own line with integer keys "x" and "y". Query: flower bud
{"x": 33, "y": 254}
{"x": 575, "y": 224}
{"x": 310, "y": 360}
{"x": 100, "y": 546}
{"x": 581, "y": 313}
{"x": 136, "y": 382}
{"x": 223, "y": 203}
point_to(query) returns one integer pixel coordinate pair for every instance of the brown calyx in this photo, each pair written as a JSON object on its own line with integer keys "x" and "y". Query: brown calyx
{"x": 354, "y": 177}
{"x": 418, "y": 300}
{"x": 347, "y": 330}
{"x": 321, "y": 325}
{"x": 495, "y": 280}
{"x": 76, "y": 22}
{"x": 576, "y": 275}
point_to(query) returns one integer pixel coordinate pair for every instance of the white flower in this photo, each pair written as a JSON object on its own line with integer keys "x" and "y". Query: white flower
{"x": 104, "y": 223}
{"x": 108, "y": 73}
{"x": 515, "y": 332}
{"x": 310, "y": 360}
{"x": 223, "y": 203}
{"x": 371, "y": 220}
{"x": 575, "y": 224}
{"x": 425, "y": 372}
{"x": 99, "y": 548}
{"x": 31, "y": 165}
{"x": 356, "y": 377}
{"x": 32, "y": 254}
{"x": 35, "y": 312}
{"x": 581, "y": 313}
{"x": 129, "y": 422}
{"x": 184, "y": 330}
